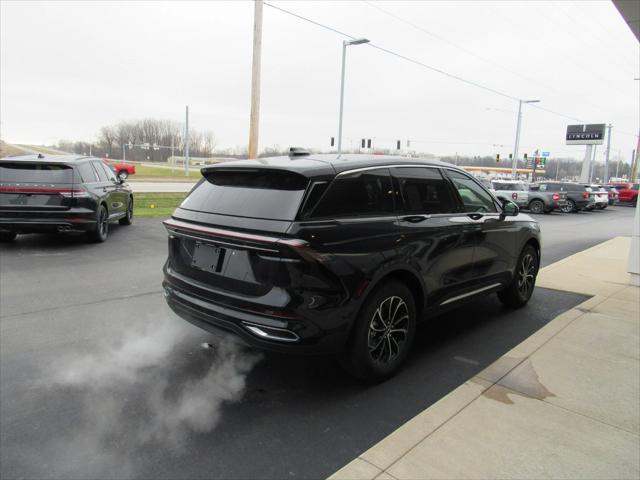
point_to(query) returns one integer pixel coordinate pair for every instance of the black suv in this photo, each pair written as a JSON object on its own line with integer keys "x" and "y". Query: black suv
{"x": 344, "y": 256}
{"x": 577, "y": 194}
{"x": 61, "y": 193}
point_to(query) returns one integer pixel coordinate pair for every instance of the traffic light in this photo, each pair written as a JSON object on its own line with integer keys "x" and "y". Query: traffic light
{"x": 525, "y": 156}
{"x": 398, "y": 145}
{"x": 497, "y": 157}
{"x": 511, "y": 156}
{"x": 369, "y": 143}
{"x": 332, "y": 141}
{"x": 363, "y": 143}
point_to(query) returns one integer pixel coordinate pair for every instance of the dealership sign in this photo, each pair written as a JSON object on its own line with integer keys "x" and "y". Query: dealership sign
{"x": 585, "y": 134}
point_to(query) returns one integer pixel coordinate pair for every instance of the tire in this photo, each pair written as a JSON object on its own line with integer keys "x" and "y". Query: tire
{"x": 370, "y": 354}
{"x": 569, "y": 207}
{"x": 101, "y": 231}
{"x": 519, "y": 292}
{"x": 8, "y": 236}
{"x": 128, "y": 218}
{"x": 123, "y": 174}
{"x": 536, "y": 206}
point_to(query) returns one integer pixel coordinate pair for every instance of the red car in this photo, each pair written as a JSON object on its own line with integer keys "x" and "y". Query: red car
{"x": 627, "y": 192}
{"x": 122, "y": 169}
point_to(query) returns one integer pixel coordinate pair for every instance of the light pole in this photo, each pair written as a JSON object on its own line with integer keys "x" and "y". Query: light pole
{"x": 345, "y": 44}
{"x": 517, "y": 144}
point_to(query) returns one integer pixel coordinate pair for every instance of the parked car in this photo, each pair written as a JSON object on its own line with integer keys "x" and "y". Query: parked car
{"x": 577, "y": 195}
{"x": 542, "y": 200}
{"x": 122, "y": 169}
{"x": 318, "y": 254}
{"x": 628, "y": 192}
{"x": 613, "y": 194}
{"x": 513, "y": 190}
{"x": 61, "y": 193}
{"x": 600, "y": 196}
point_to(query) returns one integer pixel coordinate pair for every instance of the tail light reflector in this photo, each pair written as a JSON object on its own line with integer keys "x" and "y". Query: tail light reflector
{"x": 514, "y": 195}
{"x": 556, "y": 197}
{"x": 585, "y": 194}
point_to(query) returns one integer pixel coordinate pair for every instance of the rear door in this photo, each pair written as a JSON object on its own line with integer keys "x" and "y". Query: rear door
{"x": 436, "y": 238}
{"x": 37, "y": 187}
{"x": 354, "y": 225}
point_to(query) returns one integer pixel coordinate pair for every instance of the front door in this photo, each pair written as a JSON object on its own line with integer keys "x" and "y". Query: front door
{"x": 496, "y": 236}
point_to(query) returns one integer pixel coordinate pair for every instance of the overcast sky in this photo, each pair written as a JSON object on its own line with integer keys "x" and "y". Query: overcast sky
{"x": 67, "y": 68}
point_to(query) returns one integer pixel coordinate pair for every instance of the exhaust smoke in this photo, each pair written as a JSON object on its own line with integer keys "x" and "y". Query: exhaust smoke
{"x": 155, "y": 387}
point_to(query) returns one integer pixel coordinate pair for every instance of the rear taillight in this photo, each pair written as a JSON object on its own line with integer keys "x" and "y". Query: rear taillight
{"x": 556, "y": 197}
{"x": 74, "y": 193}
{"x": 514, "y": 196}
{"x": 585, "y": 194}
{"x": 611, "y": 194}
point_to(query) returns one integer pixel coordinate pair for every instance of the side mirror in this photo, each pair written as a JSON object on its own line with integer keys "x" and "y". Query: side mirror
{"x": 509, "y": 209}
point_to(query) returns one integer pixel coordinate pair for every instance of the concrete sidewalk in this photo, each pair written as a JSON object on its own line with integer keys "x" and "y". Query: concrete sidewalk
{"x": 562, "y": 404}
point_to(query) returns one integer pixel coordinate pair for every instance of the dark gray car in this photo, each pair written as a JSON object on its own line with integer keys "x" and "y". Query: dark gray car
{"x": 543, "y": 201}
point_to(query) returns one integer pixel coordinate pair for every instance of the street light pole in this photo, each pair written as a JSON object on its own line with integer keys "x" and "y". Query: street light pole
{"x": 514, "y": 166}
{"x": 345, "y": 44}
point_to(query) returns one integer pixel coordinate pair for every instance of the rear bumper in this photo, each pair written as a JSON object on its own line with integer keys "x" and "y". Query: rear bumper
{"x": 68, "y": 221}
{"x": 296, "y": 336}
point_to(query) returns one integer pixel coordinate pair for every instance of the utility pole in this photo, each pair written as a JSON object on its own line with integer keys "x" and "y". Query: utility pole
{"x": 254, "y": 119}
{"x": 606, "y": 160}
{"x": 592, "y": 166}
{"x": 173, "y": 158}
{"x": 124, "y": 155}
{"x": 186, "y": 143}
{"x": 91, "y": 155}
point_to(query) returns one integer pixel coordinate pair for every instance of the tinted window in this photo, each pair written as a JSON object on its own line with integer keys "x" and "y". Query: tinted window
{"x": 108, "y": 170}
{"x": 102, "y": 175}
{"x": 424, "y": 190}
{"x": 35, "y": 172}
{"x": 255, "y": 193}
{"x": 313, "y": 196}
{"x": 473, "y": 196}
{"x": 364, "y": 193}
{"x": 87, "y": 173}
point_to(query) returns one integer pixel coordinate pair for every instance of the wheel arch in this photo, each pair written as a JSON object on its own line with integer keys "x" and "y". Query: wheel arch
{"x": 406, "y": 276}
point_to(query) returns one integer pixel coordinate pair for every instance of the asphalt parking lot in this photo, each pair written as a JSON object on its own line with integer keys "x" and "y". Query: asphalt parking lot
{"x": 100, "y": 380}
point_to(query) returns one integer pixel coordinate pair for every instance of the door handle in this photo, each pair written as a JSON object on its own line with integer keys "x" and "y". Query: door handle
{"x": 415, "y": 218}
{"x": 104, "y": 189}
{"x": 475, "y": 216}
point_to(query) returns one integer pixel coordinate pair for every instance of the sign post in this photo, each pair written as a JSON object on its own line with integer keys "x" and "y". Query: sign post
{"x": 589, "y": 135}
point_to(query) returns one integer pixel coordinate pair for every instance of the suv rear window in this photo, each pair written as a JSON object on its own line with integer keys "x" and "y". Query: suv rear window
{"x": 244, "y": 192}
{"x": 23, "y": 172}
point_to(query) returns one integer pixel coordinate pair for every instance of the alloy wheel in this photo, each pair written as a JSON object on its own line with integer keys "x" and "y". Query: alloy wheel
{"x": 103, "y": 222}
{"x": 526, "y": 275}
{"x": 388, "y": 329}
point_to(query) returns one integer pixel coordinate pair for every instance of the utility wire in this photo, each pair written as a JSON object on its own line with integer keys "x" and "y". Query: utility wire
{"x": 429, "y": 67}
{"x": 390, "y": 52}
